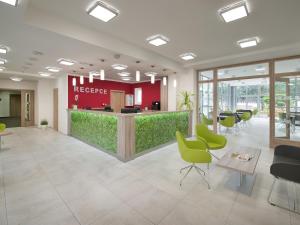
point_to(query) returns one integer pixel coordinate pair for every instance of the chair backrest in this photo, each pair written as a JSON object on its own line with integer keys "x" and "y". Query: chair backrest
{"x": 246, "y": 116}
{"x": 229, "y": 121}
{"x": 206, "y": 120}
{"x": 181, "y": 143}
{"x": 2, "y": 127}
{"x": 202, "y": 130}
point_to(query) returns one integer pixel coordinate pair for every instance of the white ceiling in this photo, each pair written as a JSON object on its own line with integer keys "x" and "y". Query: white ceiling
{"x": 191, "y": 25}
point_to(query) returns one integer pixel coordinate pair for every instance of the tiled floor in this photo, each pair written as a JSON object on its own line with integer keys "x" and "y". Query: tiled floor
{"x": 50, "y": 179}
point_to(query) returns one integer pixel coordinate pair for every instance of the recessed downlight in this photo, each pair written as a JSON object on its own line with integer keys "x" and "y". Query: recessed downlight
{"x": 10, "y": 2}
{"x": 119, "y": 66}
{"x": 234, "y": 11}
{"x": 188, "y": 56}
{"x": 3, "y": 49}
{"x": 124, "y": 74}
{"x": 3, "y": 61}
{"x": 53, "y": 69}
{"x": 16, "y": 79}
{"x": 249, "y": 42}
{"x": 103, "y": 11}
{"x": 150, "y": 74}
{"x": 44, "y": 74}
{"x": 66, "y": 62}
{"x": 158, "y": 40}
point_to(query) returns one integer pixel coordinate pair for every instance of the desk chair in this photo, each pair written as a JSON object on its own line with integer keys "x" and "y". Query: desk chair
{"x": 193, "y": 152}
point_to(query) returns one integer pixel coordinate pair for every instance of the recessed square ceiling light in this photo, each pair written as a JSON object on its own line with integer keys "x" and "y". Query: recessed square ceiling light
{"x": 188, "y": 56}
{"x": 234, "y": 11}
{"x": 3, "y": 49}
{"x": 2, "y": 68}
{"x": 43, "y": 74}
{"x": 17, "y": 79}
{"x": 150, "y": 74}
{"x": 66, "y": 62}
{"x": 119, "y": 67}
{"x": 53, "y": 69}
{"x": 103, "y": 11}
{"x": 157, "y": 40}
{"x": 124, "y": 74}
{"x": 10, "y": 2}
{"x": 126, "y": 78}
{"x": 249, "y": 42}
{"x": 2, "y": 61}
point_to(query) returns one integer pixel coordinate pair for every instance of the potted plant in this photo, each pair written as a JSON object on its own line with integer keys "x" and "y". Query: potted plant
{"x": 185, "y": 102}
{"x": 44, "y": 124}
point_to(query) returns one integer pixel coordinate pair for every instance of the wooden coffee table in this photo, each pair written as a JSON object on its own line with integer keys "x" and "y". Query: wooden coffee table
{"x": 246, "y": 169}
{"x": 2, "y": 134}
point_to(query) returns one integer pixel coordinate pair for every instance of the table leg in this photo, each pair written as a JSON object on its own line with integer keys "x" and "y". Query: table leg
{"x": 0, "y": 143}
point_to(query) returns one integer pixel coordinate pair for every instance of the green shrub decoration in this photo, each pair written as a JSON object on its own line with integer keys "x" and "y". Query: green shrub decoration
{"x": 96, "y": 129}
{"x": 158, "y": 129}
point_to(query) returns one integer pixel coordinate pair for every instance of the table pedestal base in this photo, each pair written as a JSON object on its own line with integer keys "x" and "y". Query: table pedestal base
{"x": 241, "y": 182}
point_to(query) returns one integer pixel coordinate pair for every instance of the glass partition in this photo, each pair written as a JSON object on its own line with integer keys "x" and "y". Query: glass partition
{"x": 205, "y": 99}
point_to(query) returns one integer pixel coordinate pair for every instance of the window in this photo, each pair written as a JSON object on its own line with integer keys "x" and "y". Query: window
{"x": 206, "y": 75}
{"x": 287, "y": 66}
{"x": 138, "y": 96}
{"x": 244, "y": 71}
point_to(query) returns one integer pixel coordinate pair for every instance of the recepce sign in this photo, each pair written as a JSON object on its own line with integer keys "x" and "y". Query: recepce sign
{"x": 90, "y": 90}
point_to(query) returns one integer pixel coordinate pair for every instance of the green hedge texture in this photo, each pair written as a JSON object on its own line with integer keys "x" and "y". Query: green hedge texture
{"x": 96, "y": 129}
{"x": 158, "y": 129}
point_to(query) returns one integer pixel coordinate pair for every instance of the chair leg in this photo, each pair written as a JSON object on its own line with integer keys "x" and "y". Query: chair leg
{"x": 279, "y": 206}
{"x": 189, "y": 170}
{"x": 184, "y": 168}
{"x": 198, "y": 170}
{"x": 214, "y": 155}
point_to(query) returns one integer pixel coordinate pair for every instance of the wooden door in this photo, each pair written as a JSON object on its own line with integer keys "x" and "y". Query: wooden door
{"x": 55, "y": 108}
{"x": 15, "y": 105}
{"x": 117, "y": 100}
{"x": 27, "y": 108}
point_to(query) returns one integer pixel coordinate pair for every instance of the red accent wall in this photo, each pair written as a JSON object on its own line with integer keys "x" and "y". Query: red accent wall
{"x": 97, "y": 94}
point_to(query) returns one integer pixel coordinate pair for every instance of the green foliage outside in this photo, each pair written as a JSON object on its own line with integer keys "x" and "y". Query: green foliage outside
{"x": 157, "y": 129}
{"x": 185, "y": 101}
{"x": 96, "y": 129}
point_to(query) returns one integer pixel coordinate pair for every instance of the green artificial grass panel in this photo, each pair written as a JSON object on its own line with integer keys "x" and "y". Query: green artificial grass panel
{"x": 158, "y": 129}
{"x": 96, "y": 129}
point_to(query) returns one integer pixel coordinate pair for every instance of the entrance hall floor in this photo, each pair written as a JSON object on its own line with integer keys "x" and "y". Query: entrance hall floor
{"x": 47, "y": 178}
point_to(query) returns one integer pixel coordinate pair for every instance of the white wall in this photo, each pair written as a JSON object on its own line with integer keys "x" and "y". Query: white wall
{"x": 62, "y": 85}
{"x": 4, "y": 104}
{"x": 187, "y": 82}
{"x": 45, "y": 101}
{"x": 172, "y": 93}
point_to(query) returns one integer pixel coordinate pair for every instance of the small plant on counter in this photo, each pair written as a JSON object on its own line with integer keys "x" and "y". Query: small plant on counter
{"x": 185, "y": 102}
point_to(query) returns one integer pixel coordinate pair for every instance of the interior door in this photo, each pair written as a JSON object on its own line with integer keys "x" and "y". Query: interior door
{"x": 27, "y": 108}
{"x": 15, "y": 105}
{"x": 55, "y": 108}
{"x": 117, "y": 100}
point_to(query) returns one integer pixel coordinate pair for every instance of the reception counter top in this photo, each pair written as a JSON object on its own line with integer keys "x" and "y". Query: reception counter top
{"x": 127, "y": 136}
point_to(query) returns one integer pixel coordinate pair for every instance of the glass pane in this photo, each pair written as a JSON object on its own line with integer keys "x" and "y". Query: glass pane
{"x": 287, "y": 108}
{"x": 287, "y": 66}
{"x": 244, "y": 71}
{"x": 244, "y": 94}
{"x": 206, "y": 75}
{"x": 206, "y": 99}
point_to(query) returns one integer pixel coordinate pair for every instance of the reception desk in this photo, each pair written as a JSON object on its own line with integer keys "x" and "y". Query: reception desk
{"x": 127, "y": 136}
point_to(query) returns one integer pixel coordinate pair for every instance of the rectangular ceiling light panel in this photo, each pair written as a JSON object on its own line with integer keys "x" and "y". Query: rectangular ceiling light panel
{"x": 157, "y": 40}
{"x": 234, "y": 11}
{"x": 103, "y": 11}
{"x": 10, "y": 2}
{"x": 250, "y": 42}
{"x": 66, "y": 62}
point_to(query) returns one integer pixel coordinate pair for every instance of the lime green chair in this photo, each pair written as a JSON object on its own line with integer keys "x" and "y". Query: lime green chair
{"x": 212, "y": 140}
{"x": 245, "y": 117}
{"x": 193, "y": 152}
{"x": 2, "y": 127}
{"x": 228, "y": 122}
{"x": 206, "y": 120}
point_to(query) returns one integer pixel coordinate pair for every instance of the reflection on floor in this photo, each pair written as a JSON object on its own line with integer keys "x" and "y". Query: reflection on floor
{"x": 47, "y": 178}
{"x": 11, "y": 121}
